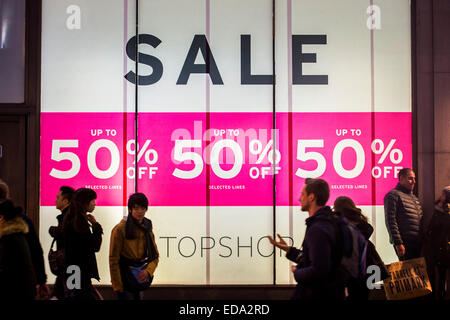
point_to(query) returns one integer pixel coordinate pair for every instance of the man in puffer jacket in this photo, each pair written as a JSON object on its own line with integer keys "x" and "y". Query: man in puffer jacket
{"x": 403, "y": 213}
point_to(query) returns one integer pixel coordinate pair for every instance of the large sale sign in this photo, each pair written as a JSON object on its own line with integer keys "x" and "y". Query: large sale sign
{"x": 240, "y": 154}
{"x": 224, "y": 121}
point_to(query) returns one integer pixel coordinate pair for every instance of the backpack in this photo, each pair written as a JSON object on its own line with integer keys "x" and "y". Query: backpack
{"x": 352, "y": 252}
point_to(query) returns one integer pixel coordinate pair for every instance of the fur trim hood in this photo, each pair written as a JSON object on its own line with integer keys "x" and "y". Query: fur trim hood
{"x": 16, "y": 225}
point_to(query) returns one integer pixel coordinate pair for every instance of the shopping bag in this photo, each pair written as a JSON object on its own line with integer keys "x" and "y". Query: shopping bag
{"x": 408, "y": 279}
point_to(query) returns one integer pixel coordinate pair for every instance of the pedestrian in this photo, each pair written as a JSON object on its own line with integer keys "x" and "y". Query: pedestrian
{"x": 81, "y": 244}
{"x": 437, "y": 244}
{"x": 17, "y": 278}
{"x": 318, "y": 262}
{"x": 62, "y": 203}
{"x": 403, "y": 217}
{"x": 347, "y": 208}
{"x": 133, "y": 254}
{"x": 34, "y": 245}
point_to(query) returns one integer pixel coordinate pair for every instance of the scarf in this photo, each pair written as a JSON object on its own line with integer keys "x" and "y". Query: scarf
{"x": 146, "y": 226}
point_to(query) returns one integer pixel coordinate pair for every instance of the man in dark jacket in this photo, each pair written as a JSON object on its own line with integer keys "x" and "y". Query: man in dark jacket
{"x": 403, "y": 214}
{"x": 62, "y": 203}
{"x": 318, "y": 262}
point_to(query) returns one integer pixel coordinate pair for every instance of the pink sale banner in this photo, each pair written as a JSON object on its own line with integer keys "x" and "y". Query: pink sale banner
{"x": 223, "y": 159}
{"x": 358, "y": 154}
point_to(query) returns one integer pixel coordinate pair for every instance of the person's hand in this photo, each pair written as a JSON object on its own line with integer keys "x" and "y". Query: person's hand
{"x": 400, "y": 249}
{"x": 91, "y": 218}
{"x": 293, "y": 268}
{"x": 143, "y": 276}
{"x": 43, "y": 292}
{"x": 281, "y": 244}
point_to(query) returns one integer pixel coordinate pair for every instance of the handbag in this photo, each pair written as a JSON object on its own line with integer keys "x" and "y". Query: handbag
{"x": 408, "y": 279}
{"x": 56, "y": 260}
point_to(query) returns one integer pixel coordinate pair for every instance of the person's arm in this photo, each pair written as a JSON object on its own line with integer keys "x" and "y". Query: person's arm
{"x": 152, "y": 265}
{"x": 294, "y": 254}
{"x": 390, "y": 214}
{"x": 37, "y": 254}
{"x": 56, "y": 231}
{"x": 115, "y": 249}
{"x": 97, "y": 232}
{"x": 319, "y": 253}
{"x": 95, "y": 240}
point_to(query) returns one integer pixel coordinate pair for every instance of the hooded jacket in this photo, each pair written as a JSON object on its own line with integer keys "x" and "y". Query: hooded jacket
{"x": 403, "y": 216}
{"x": 17, "y": 280}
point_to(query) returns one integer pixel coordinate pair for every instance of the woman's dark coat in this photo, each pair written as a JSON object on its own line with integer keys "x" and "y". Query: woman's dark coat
{"x": 80, "y": 248}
